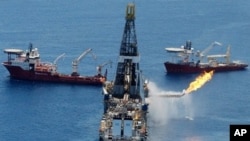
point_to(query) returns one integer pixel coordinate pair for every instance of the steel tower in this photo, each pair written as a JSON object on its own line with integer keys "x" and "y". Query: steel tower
{"x": 127, "y": 79}
{"x": 125, "y": 103}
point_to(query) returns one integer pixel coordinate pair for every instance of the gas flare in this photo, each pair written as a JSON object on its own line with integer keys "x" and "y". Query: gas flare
{"x": 199, "y": 81}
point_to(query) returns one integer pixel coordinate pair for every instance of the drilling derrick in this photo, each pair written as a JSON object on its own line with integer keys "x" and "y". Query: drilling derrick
{"x": 125, "y": 99}
{"x": 129, "y": 42}
{"x": 127, "y": 74}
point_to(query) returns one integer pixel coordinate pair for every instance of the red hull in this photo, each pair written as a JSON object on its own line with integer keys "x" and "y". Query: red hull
{"x": 18, "y": 73}
{"x": 192, "y": 68}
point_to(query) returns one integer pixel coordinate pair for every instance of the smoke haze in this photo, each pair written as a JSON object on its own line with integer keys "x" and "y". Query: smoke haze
{"x": 163, "y": 109}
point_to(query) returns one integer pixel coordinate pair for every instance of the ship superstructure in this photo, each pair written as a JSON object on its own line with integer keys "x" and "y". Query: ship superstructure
{"x": 27, "y": 65}
{"x": 125, "y": 99}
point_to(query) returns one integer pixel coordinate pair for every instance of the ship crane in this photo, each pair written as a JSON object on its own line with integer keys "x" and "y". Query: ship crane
{"x": 58, "y": 58}
{"x": 54, "y": 67}
{"x": 205, "y": 51}
{"x": 77, "y": 60}
{"x": 226, "y": 56}
{"x": 99, "y": 67}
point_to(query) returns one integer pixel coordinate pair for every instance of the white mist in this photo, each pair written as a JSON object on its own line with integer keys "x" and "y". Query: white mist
{"x": 163, "y": 109}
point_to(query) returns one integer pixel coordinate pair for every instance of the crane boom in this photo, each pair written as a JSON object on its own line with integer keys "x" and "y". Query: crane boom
{"x": 226, "y": 56}
{"x": 83, "y": 54}
{"x": 205, "y": 51}
{"x": 57, "y": 58}
{"x": 210, "y": 47}
{"x": 104, "y": 64}
{"x": 77, "y": 60}
{"x": 99, "y": 67}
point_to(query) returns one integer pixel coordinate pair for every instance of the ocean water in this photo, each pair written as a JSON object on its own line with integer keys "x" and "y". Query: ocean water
{"x": 35, "y": 111}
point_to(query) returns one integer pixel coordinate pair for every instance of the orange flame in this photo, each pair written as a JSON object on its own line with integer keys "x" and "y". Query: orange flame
{"x": 199, "y": 81}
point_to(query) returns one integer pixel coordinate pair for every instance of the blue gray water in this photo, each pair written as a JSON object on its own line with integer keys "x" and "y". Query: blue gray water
{"x": 46, "y": 112}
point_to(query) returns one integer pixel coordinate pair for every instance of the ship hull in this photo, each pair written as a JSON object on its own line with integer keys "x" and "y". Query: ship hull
{"x": 17, "y": 72}
{"x": 192, "y": 68}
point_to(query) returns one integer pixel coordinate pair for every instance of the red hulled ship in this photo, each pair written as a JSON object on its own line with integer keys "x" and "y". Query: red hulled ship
{"x": 26, "y": 65}
{"x": 183, "y": 60}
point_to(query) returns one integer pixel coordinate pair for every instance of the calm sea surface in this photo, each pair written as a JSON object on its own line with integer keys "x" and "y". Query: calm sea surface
{"x": 35, "y": 111}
